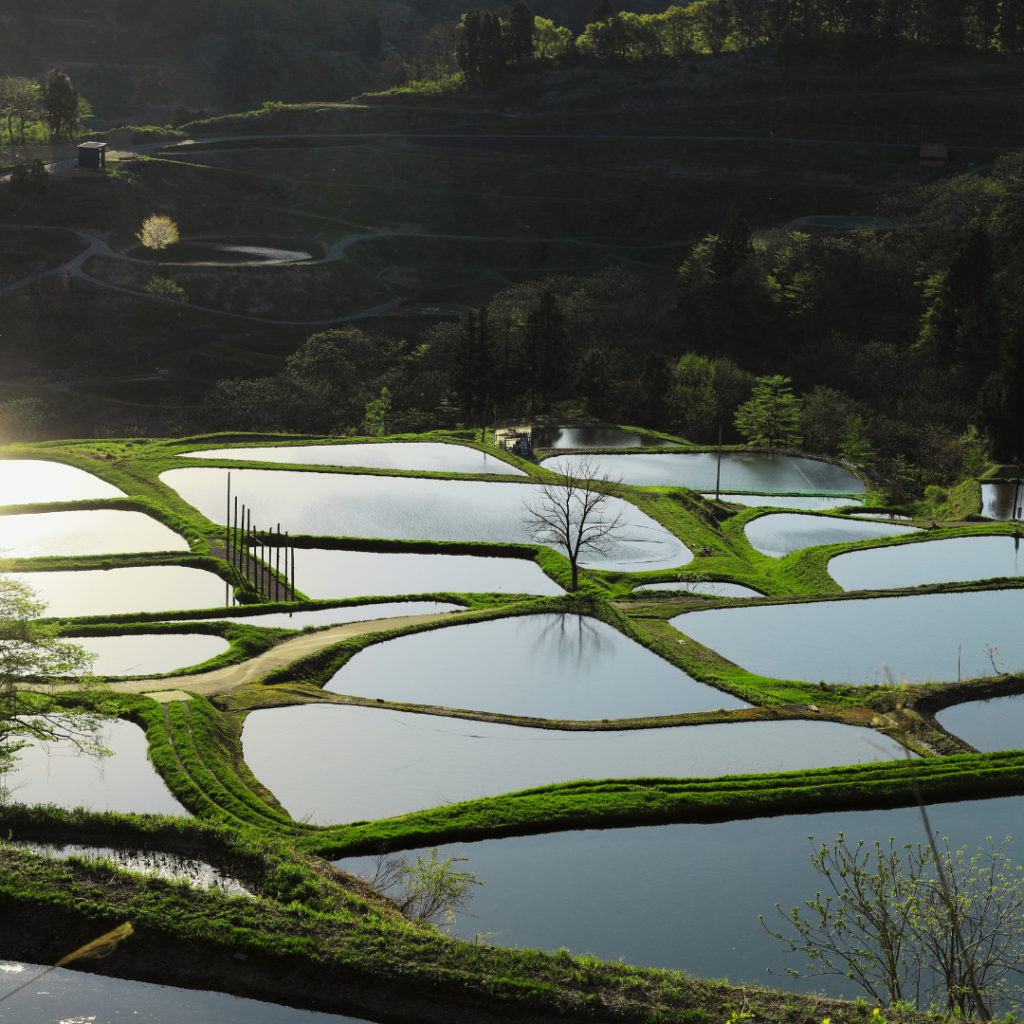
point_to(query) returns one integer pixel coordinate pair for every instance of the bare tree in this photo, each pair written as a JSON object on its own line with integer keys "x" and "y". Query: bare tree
{"x": 575, "y": 512}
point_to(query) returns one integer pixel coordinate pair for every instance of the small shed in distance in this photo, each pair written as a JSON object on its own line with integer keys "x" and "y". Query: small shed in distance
{"x": 934, "y": 154}
{"x": 92, "y": 156}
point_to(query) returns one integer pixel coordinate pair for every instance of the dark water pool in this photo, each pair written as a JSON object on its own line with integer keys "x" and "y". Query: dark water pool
{"x": 543, "y": 666}
{"x": 687, "y": 896}
{"x": 1001, "y": 501}
{"x": 918, "y": 637}
{"x": 935, "y": 561}
{"x": 221, "y": 251}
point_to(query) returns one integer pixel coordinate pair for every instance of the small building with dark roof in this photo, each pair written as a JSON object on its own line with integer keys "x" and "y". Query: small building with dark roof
{"x": 92, "y": 156}
{"x": 934, "y": 154}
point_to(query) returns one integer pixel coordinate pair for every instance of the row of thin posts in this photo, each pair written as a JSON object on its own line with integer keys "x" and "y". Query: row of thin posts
{"x": 247, "y": 552}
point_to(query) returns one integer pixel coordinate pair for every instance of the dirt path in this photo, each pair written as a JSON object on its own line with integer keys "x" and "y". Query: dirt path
{"x": 224, "y": 680}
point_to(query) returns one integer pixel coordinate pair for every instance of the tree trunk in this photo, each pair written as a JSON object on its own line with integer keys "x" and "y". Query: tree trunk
{"x": 575, "y": 575}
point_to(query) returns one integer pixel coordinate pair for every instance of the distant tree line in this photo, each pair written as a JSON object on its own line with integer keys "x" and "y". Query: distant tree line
{"x": 858, "y": 33}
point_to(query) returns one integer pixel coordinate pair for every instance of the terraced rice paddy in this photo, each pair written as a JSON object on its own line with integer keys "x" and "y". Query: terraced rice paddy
{"x": 418, "y": 761}
{"x": 59, "y": 773}
{"x": 144, "y": 654}
{"x": 783, "y": 533}
{"x": 424, "y": 457}
{"x": 662, "y": 909}
{"x": 741, "y": 471}
{"x": 24, "y": 481}
{"x": 919, "y": 638}
{"x": 147, "y": 588}
{"x": 94, "y": 532}
{"x": 541, "y": 666}
{"x": 996, "y": 724}
{"x": 939, "y": 561}
{"x": 334, "y": 616}
{"x": 333, "y": 575}
{"x": 409, "y": 509}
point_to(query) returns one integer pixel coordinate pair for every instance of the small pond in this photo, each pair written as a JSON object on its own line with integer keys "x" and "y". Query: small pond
{"x": 336, "y": 616}
{"x": 998, "y": 500}
{"x": 24, "y": 481}
{"x": 755, "y": 471}
{"x": 711, "y": 589}
{"x": 687, "y": 897}
{"x": 958, "y": 559}
{"x": 786, "y": 532}
{"x": 94, "y": 532}
{"x": 172, "y": 866}
{"x": 425, "y": 456}
{"x": 806, "y": 502}
{"x": 996, "y": 724}
{"x": 918, "y": 637}
{"x": 78, "y": 997}
{"x": 148, "y": 654}
{"x": 407, "y": 508}
{"x": 146, "y": 588}
{"x": 593, "y": 437}
{"x": 57, "y": 773}
{"x": 543, "y": 666}
{"x": 316, "y": 758}
{"x": 217, "y": 252}
{"x": 323, "y": 575}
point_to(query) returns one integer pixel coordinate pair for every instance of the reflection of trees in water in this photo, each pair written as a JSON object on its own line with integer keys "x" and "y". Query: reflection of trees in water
{"x": 567, "y": 641}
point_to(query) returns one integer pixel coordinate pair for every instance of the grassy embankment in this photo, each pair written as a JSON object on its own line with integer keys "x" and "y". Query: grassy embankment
{"x": 312, "y": 936}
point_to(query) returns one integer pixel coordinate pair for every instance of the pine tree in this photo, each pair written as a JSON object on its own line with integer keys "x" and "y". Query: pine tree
{"x": 544, "y": 345}
{"x": 771, "y": 419}
{"x": 732, "y": 247}
{"x": 39, "y": 178}
{"x": 602, "y": 12}
{"x": 61, "y": 102}
{"x": 519, "y": 32}
{"x": 469, "y": 377}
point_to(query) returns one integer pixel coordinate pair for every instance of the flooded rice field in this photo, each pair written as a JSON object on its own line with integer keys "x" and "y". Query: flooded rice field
{"x": 593, "y": 437}
{"x": 958, "y": 559}
{"x": 324, "y": 575}
{"x": 996, "y": 724}
{"x": 408, "y": 509}
{"x": 785, "y": 532}
{"x": 92, "y": 532}
{"x": 1002, "y": 501}
{"x": 687, "y": 897}
{"x": 427, "y": 456}
{"x": 171, "y": 866}
{"x": 741, "y": 471}
{"x": 147, "y": 588}
{"x": 57, "y": 773}
{"x": 543, "y": 666}
{"x": 78, "y": 997}
{"x": 804, "y": 502}
{"x": 335, "y": 616}
{"x": 710, "y": 589}
{"x": 309, "y": 756}
{"x": 148, "y": 654}
{"x": 919, "y": 638}
{"x": 24, "y": 481}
